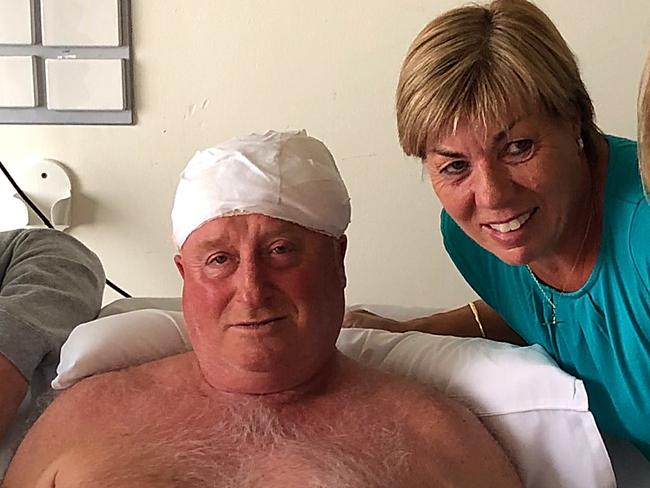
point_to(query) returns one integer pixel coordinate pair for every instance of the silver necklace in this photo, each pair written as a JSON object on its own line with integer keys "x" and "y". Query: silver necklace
{"x": 549, "y": 299}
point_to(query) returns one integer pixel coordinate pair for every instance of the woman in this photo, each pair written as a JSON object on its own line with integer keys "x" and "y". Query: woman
{"x": 544, "y": 215}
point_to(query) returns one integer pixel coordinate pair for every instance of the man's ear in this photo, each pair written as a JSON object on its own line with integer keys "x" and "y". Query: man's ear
{"x": 178, "y": 261}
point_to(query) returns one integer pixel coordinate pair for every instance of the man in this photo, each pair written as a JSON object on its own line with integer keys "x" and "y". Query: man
{"x": 264, "y": 399}
{"x": 49, "y": 282}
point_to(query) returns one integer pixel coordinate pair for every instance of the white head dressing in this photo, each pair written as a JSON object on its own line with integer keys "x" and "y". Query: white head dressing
{"x": 286, "y": 175}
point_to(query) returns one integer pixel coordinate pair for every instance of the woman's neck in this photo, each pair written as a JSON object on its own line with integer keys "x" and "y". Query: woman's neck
{"x": 569, "y": 267}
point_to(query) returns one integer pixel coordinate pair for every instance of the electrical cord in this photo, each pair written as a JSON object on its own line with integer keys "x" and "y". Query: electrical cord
{"x": 46, "y": 221}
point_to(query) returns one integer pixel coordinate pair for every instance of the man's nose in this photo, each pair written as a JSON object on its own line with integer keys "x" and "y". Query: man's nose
{"x": 493, "y": 186}
{"x": 250, "y": 282}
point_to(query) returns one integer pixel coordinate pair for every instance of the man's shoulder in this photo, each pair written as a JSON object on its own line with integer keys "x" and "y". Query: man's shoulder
{"x": 116, "y": 393}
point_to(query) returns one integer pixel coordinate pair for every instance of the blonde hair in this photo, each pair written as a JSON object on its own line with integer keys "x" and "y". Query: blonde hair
{"x": 644, "y": 127}
{"x": 487, "y": 64}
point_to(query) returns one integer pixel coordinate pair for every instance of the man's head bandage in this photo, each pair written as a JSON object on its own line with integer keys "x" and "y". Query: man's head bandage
{"x": 286, "y": 175}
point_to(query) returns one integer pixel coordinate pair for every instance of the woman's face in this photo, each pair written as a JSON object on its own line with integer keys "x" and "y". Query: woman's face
{"x": 518, "y": 191}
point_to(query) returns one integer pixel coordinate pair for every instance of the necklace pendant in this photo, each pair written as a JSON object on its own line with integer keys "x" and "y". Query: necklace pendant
{"x": 547, "y": 298}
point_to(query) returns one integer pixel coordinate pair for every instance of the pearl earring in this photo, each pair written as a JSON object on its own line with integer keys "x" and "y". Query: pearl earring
{"x": 581, "y": 144}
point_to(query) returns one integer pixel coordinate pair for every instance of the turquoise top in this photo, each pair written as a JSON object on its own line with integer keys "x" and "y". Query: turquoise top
{"x": 602, "y": 333}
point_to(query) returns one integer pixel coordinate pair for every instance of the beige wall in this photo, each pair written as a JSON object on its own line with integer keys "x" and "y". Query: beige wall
{"x": 207, "y": 70}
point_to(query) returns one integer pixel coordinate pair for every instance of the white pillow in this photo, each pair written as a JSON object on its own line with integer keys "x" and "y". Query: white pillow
{"x": 537, "y": 412}
{"x": 118, "y": 341}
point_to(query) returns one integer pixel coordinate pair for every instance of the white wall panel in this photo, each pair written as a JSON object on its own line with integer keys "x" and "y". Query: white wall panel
{"x": 80, "y": 22}
{"x": 17, "y": 85}
{"x": 16, "y": 22}
{"x": 85, "y": 84}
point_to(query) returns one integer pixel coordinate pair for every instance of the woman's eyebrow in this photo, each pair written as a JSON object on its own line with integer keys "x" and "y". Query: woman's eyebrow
{"x": 447, "y": 153}
{"x": 456, "y": 154}
{"x": 502, "y": 134}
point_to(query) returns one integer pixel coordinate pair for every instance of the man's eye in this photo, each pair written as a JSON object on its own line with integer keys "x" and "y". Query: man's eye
{"x": 280, "y": 249}
{"x": 455, "y": 168}
{"x": 219, "y": 259}
{"x": 518, "y": 150}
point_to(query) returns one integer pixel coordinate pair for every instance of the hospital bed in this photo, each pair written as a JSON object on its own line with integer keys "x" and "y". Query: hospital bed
{"x": 535, "y": 410}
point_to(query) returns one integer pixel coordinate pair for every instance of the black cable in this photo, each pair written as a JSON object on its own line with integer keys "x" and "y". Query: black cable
{"x": 46, "y": 221}
{"x": 117, "y": 288}
{"x": 25, "y": 197}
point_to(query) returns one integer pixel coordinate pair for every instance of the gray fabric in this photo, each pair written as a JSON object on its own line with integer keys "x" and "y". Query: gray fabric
{"x": 49, "y": 283}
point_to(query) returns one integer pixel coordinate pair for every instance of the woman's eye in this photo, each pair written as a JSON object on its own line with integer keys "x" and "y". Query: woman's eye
{"x": 455, "y": 168}
{"x": 518, "y": 150}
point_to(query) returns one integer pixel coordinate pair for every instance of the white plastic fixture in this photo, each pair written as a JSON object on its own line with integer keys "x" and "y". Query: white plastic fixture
{"x": 47, "y": 184}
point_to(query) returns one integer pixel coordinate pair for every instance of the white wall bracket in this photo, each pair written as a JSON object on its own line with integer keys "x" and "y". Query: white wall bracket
{"x": 47, "y": 183}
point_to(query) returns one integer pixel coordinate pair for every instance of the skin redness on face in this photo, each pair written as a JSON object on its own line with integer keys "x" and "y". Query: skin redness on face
{"x": 263, "y": 299}
{"x": 517, "y": 192}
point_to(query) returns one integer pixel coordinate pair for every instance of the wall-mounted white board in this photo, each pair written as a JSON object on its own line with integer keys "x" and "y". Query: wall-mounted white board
{"x": 17, "y": 82}
{"x": 16, "y": 22}
{"x": 80, "y": 22}
{"x": 85, "y": 84}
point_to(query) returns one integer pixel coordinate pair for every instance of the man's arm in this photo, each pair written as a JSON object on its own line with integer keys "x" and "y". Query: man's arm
{"x": 49, "y": 283}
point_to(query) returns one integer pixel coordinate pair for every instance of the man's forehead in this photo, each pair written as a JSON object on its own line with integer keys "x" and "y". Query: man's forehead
{"x": 244, "y": 227}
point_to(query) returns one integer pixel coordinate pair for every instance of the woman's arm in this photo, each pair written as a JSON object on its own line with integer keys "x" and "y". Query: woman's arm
{"x": 459, "y": 322}
{"x": 13, "y": 387}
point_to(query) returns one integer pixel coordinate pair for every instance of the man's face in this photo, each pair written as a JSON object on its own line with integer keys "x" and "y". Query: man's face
{"x": 263, "y": 301}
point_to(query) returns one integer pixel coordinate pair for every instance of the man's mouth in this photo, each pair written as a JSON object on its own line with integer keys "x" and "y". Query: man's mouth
{"x": 512, "y": 225}
{"x": 258, "y": 324}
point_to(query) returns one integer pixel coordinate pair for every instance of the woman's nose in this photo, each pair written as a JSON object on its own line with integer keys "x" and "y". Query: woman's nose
{"x": 493, "y": 186}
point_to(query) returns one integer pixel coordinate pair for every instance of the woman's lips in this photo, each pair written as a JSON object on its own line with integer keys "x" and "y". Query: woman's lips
{"x": 511, "y": 232}
{"x": 513, "y": 224}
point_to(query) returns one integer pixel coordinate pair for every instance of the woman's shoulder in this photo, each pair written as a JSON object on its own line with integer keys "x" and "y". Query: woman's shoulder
{"x": 628, "y": 209}
{"x": 623, "y": 177}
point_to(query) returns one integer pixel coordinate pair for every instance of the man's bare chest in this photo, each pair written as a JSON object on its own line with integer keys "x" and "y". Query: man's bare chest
{"x": 247, "y": 446}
